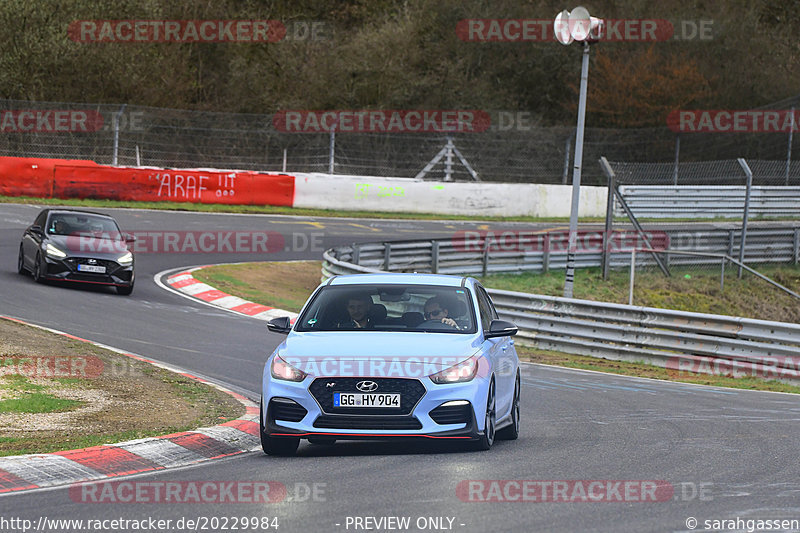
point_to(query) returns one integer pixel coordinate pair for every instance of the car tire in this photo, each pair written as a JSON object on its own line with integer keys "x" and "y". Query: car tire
{"x": 486, "y": 440}
{"x": 275, "y": 445}
{"x": 511, "y": 432}
{"x": 21, "y": 262}
{"x": 125, "y": 290}
{"x": 37, "y": 269}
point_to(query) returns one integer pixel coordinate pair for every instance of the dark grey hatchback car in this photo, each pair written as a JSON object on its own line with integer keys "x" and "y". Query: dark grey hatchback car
{"x": 77, "y": 246}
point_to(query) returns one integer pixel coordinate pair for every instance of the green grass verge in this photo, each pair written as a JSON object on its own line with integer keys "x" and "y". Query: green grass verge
{"x": 32, "y": 398}
{"x": 38, "y": 402}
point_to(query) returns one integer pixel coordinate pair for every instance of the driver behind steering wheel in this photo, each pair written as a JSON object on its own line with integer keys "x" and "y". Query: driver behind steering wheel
{"x": 436, "y": 309}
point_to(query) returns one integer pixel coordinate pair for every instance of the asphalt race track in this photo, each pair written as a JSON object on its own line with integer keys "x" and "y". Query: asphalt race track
{"x": 714, "y": 454}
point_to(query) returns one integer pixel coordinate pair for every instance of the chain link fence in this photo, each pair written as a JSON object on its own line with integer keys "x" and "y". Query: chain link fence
{"x": 508, "y": 151}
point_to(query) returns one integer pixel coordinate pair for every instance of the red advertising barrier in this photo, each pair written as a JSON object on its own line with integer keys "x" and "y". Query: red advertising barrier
{"x": 24, "y": 176}
{"x": 85, "y": 179}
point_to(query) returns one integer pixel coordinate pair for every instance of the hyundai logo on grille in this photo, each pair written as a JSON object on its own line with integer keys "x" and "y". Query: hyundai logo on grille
{"x": 367, "y": 386}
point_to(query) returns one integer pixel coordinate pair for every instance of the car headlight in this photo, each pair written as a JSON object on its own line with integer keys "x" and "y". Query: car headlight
{"x": 280, "y": 369}
{"x": 460, "y": 373}
{"x": 54, "y": 252}
{"x": 126, "y": 259}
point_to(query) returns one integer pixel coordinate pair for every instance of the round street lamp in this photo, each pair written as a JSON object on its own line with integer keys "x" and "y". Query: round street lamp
{"x": 582, "y": 27}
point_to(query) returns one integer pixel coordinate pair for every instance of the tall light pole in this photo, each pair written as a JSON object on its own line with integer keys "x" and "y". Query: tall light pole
{"x": 577, "y": 26}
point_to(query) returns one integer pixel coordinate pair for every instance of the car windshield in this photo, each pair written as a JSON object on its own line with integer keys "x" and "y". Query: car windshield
{"x": 393, "y": 307}
{"x": 82, "y": 224}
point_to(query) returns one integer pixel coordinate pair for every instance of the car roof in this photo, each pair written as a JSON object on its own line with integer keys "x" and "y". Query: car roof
{"x": 77, "y": 211}
{"x": 399, "y": 278}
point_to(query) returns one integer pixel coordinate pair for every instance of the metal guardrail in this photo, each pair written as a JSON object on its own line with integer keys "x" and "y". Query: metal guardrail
{"x": 540, "y": 252}
{"x": 685, "y": 201}
{"x": 677, "y": 340}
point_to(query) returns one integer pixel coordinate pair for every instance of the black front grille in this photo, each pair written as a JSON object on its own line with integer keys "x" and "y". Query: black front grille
{"x": 452, "y": 414}
{"x": 410, "y": 390}
{"x": 111, "y": 266}
{"x": 288, "y": 410}
{"x": 367, "y": 422}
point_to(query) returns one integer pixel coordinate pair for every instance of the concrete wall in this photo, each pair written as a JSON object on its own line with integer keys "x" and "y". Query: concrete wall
{"x": 456, "y": 198}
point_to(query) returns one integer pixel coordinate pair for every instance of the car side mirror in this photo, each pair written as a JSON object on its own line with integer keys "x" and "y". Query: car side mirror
{"x": 36, "y": 228}
{"x": 501, "y": 328}
{"x": 282, "y": 324}
{"x": 129, "y": 238}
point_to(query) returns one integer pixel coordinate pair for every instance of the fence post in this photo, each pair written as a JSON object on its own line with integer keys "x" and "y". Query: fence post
{"x": 745, "y": 216}
{"x": 356, "y": 253}
{"x": 677, "y": 158}
{"x": 546, "y": 254}
{"x": 567, "y": 149}
{"x": 116, "y": 134}
{"x": 387, "y": 255}
{"x": 606, "y": 256}
{"x": 789, "y": 149}
{"x": 283, "y": 168}
{"x": 435, "y": 257}
{"x": 722, "y": 277}
{"x": 332, "y": 149}
{"x": 486, "y": 245}
{"x": 633, "y": 275}
{"x": 796, "y": 246}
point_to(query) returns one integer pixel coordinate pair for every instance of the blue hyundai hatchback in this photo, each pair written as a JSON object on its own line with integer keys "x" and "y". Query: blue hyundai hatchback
{"x": 384, "y": 356}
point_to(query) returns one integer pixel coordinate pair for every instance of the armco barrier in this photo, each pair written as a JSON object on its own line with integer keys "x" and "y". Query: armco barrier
{"x": 59, "y": 178}
{"x": 537, "y": 251}
{"x": 678, "y": 340}
{"x": 685, "y": 201}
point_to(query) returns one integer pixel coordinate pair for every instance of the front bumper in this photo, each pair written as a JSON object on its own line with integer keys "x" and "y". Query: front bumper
{"x": 67, "y": 269}
{"x": 322, "y": 420}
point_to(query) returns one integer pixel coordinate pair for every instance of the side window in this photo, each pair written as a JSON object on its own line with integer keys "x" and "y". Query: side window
{"x": 41, "y": 220}
{"x": 485, "y": 308}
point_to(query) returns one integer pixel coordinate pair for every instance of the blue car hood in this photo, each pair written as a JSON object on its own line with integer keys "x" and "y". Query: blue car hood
{"x": 402, "y": 354}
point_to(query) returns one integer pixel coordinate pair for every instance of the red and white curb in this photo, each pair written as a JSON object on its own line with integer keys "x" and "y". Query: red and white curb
{"x": 187, "y": 285}
{"x": 34, "y": 471}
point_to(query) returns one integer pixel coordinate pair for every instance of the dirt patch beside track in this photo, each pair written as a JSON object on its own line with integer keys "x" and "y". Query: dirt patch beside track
{"x": 58, "y": 393}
